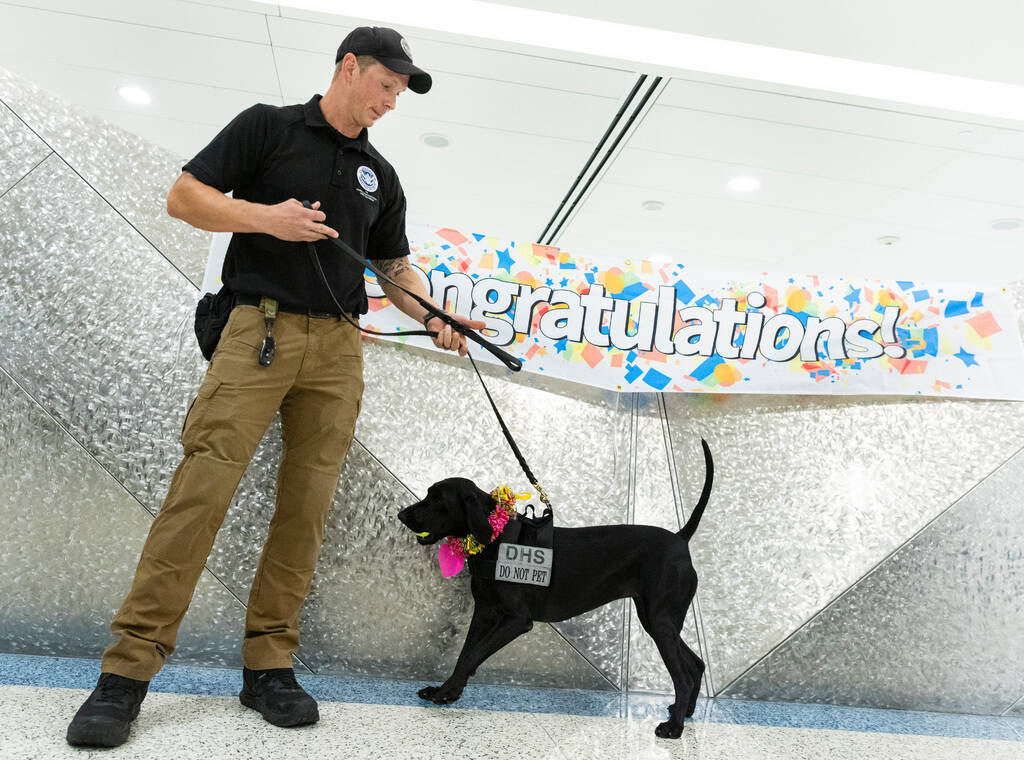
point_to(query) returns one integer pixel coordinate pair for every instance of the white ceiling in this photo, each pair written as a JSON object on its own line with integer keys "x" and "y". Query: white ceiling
{"x": 979, "y": 39}
{"x": 837, "y": 172}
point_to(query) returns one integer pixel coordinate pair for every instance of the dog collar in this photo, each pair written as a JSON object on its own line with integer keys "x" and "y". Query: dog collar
{"x": 453, "y": 552}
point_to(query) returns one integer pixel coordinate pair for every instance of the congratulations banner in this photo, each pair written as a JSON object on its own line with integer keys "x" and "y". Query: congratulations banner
{"x": 635, "y": 325}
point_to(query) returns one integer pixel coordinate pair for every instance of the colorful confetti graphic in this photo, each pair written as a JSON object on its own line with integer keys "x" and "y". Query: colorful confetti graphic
{"x": 634, "y": 325}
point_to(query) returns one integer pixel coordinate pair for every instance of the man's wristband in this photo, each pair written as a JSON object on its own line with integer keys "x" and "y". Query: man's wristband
{"x": 426, "y": 319}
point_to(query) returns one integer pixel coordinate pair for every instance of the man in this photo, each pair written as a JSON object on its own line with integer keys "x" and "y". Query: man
{"x": 273, "y": 158}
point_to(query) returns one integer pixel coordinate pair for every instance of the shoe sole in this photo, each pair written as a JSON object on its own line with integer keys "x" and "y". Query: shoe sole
{"x": 98, "y": 732}
{"x": 287, "y": 720}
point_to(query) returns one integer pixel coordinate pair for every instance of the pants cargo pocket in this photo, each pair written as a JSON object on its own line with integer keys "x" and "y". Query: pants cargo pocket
{"x": 193, "y": 425}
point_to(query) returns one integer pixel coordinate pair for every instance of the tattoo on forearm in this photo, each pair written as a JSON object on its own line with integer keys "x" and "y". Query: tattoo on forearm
{"x": 395, "y": 268}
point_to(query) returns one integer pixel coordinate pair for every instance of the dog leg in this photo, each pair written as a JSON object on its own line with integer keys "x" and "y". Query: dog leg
{"x": 695, "y": 666}
{"x": 664, "y": 628}
{"x": 488, "y": 632}
{"x": 671, "y": 648}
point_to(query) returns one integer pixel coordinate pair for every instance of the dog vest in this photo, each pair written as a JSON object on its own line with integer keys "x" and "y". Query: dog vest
{"x": 523, "y": 556}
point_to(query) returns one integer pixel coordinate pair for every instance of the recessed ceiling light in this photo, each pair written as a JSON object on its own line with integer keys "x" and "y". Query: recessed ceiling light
{"x": 435, "y": 139}
{"x": 889, "y": 239}
{"x": 966, "y": 132}
{"x": 134, "y": 95}
{"x": 1007, "y": 224}
{"x": 744, "y": 184}
{"x": 652, "y": 205}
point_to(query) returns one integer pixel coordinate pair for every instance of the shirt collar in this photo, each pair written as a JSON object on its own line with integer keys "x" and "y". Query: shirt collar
{"x": 315, "y": 118}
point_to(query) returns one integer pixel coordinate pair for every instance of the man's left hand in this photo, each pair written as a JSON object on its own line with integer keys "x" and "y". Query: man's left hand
{"x": 449, "y": 339}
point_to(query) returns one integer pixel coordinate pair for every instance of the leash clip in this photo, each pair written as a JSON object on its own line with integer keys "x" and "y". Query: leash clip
{"x": 542, "y": 494}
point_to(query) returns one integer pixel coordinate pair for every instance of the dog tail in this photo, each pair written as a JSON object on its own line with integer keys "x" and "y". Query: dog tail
{"x": 709, "y": 476}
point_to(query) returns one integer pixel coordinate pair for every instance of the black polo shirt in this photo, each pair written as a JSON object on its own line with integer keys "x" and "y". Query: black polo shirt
{"x": 269, "y": 154}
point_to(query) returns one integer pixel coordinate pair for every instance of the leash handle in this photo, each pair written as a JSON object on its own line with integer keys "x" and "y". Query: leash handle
{"x": 514, "y": 363}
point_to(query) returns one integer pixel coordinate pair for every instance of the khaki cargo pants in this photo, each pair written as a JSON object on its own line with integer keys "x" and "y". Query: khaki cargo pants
{"x": 316, "y": 380}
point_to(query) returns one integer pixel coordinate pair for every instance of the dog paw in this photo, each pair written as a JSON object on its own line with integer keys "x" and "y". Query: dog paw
{"x": 669, "y": 730}
{"x": 438, "y": 695}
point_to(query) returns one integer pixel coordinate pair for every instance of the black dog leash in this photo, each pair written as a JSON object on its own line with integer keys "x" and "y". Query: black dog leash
{"x": 512, "y": 362}
{"x": 511, "y": 441}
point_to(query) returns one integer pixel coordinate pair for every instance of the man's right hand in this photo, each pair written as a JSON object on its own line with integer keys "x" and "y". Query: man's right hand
{"x": 208, "y": 208}
{"x": 292, "y": 221}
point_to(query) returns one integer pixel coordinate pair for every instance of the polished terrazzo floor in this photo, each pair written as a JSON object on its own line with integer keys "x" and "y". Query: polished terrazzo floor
{"x": 193, "y": 713}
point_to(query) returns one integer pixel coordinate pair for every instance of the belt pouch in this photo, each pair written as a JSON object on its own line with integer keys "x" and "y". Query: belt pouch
{"x": 212, "y": 314}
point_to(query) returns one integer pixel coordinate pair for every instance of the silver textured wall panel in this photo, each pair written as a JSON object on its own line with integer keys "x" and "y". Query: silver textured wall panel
{"x": 811, "y": 493}
{"x": 91, "y": 327}
{"x": 653, "y": 500}
{"x": 654, "y": 504}
{"x": 598, "y": 636}
{"x": 70, "y": 542}
{"x": 132, "y": 174}
{"x": 427, "y": 420}
{"x": 938, "y": 626}
{"x": 93, "y": 337}
{"x": 20, "y": 149}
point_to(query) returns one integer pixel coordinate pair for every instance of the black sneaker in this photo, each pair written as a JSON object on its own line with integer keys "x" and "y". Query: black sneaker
{"x": 106, "y": 716}
{"x": 278, "y": 697}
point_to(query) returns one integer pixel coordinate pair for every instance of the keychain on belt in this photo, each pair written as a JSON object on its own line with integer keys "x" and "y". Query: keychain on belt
{"x": 269, "y": 317}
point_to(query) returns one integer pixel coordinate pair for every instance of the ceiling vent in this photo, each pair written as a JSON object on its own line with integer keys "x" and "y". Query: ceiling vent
{"x": 638, "y": 103}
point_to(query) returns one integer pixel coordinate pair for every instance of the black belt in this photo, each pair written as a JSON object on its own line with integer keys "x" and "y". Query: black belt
{"x": 247, "y": 299}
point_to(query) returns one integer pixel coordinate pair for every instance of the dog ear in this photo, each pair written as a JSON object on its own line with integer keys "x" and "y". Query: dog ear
{"x": 478, "y": 509}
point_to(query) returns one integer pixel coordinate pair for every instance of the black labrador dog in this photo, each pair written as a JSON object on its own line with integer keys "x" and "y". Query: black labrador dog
{"x": 592, "y": 566}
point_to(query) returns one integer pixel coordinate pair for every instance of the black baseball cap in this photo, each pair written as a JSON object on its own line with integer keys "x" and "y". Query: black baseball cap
{"x": 388, "y": 47}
